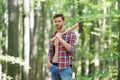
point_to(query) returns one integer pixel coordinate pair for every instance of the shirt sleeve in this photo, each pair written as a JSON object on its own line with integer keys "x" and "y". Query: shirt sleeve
{"x": 51, "y": 51}
{"x": 72, "y": 42}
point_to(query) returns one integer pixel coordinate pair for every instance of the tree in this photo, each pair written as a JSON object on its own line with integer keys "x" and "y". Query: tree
{"x": 41, "y": 51}
{"x": 13, "y": 36}
{"x": 118, "y": 43}
{"x": 1, "y": 26}
{"x": 26, "y": 34}
{"x": 34, "y": 41}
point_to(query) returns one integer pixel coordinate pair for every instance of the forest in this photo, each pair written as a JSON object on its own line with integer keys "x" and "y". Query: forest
{"x": 26, "y": 26}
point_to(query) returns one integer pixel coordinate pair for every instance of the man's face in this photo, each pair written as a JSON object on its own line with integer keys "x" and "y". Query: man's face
{"x": 58, "y": 23}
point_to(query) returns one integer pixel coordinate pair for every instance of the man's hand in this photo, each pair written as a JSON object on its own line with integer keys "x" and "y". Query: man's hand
{"x": 65, "y": 44}
{"x": 50, "y": 64}
{"x": 58, "y": 36}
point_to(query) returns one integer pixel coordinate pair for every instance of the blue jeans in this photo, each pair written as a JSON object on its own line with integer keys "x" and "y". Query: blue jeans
{"x": 65, "y": 74}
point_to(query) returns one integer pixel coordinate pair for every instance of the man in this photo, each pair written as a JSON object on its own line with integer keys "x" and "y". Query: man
{"x": 61, "y": 51}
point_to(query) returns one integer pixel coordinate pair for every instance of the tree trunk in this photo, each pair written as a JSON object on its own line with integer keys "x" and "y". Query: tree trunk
{"x": 102, "y": 38}
{"x": 26, "y": 39}
{"x": 34, "y": 42}
{"x": 119, "y": 44}
{"x": 84, "y": 61}
{"x": 0, "y": 54}
{"x": 40, "y": 60}
{"x": 119, "y": 53}
{"x": 13, "y": 36}
{"x": 92, "y": 48}
{"x": 4, "y": 26}
{"x": 1, "y": 26}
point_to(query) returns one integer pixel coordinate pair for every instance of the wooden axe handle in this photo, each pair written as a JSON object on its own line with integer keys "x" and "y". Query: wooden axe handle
{"x": 70, "y": 29}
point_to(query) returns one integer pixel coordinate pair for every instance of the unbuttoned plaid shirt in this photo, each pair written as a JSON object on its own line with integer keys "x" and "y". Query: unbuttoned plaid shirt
{"x": 64, "y": 57}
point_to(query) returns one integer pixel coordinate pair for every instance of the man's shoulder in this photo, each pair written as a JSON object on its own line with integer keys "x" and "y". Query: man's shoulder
{"x": 71, "y": 32}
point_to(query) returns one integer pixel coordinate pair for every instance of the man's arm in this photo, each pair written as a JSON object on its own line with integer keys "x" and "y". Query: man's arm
{"x": 50, "y": 53}
{"x": 68, "y": 46}
{"x": 49, "y": 62}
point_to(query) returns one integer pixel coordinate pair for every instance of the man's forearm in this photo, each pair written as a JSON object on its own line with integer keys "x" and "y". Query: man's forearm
{"x": 66, "y": 45}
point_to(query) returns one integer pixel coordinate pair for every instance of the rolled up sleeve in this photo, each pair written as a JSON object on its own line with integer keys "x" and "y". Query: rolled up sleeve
{"x": 73, "y": 42}
{"x": 72, "y": 49}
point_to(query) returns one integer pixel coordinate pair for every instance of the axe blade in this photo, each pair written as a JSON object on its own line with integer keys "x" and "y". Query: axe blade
{"x": 80, "y": 27}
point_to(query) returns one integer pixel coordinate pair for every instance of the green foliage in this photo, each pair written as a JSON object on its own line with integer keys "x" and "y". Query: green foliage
{"x": 102, "y": 75}
{"x": 89, "y": 12}
{"x": 9, "y": 78}
{"x": 83, "y": 78}
{"x": 12, "y": 59}
{"x": 2, "y": 41}
{"x": 2, "y": 25}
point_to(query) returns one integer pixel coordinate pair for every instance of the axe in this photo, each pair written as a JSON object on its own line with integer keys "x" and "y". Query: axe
{"x": 71, "y": 29}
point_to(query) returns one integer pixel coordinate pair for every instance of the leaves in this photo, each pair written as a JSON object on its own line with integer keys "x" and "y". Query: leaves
{"x": 12, "y": 59}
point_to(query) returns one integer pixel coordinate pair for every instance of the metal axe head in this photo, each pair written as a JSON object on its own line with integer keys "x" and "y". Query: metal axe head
{"x": 80, "y": 27}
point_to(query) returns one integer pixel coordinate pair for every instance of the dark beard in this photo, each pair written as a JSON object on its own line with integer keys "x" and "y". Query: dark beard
{"x": 59, "y": 27}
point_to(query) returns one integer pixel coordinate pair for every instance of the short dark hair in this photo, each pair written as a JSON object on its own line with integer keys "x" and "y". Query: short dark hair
{"x": 59, "y": 15}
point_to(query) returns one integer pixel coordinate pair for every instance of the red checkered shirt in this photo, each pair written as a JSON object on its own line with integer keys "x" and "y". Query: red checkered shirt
{"x": 64, "y": 56}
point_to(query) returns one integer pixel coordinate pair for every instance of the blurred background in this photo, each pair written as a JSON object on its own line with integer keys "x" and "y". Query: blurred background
{"x": 26, "y": 26}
